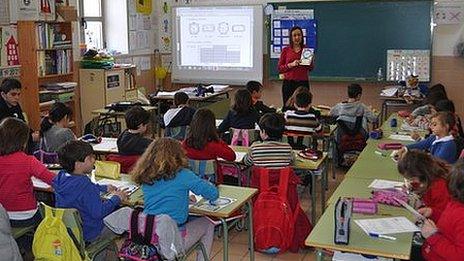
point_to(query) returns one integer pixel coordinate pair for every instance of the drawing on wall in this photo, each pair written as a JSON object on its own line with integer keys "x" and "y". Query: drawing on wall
{"x": 164, "y": 27}
{"x": 449, "y": 12}
{"x": 144, "y": 7}
{"x": 9, "y": 46}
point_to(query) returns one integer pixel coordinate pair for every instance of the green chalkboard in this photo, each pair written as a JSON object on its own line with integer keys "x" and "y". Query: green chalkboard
{"x": 353, "y": 36}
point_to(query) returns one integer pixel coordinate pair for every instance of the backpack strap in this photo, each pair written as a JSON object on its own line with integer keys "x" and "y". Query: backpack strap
{"x": 149, "y": 224}
{"x": 134, "y": 234}
{"x": 263, "y": 179}
{"x": 284, "y": 179}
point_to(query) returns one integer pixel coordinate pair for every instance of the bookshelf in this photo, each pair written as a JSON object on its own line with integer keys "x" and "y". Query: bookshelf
{"x": 46, "y": 57}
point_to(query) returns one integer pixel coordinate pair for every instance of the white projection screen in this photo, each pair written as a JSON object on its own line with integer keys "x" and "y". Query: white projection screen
{"x": 217, "y": 44}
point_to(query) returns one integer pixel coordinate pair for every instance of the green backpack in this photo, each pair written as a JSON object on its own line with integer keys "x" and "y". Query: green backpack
{"x": 52, "y": 240}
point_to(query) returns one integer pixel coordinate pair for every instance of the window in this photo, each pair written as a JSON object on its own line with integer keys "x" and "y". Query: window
{"x": 104, "y": 24}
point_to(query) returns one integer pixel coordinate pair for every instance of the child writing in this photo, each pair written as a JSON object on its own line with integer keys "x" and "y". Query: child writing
{"x": 16, "y": 170}
{"x": 444, "y": 240}
{"x": 166, "y": 182}
{"x": 54, "y": 128}
{"x": 352, "y": 108}
{"x": 182, "y": 114}
{"x": 428, "y": 178}
{"x": 74, "y": 189}
{"x": 132, "y": 140}
{"x": 256, "y": 90}
{"x": 271, "y": 152}
{"x": 242, "y": 115}
{"x": 441, "y": 143}
{"x": 202, "y": 142}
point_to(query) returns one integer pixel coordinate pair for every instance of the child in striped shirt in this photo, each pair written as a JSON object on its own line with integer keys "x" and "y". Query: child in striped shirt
{"x": 271, "y": 152}
{"x": 303, "y": 121}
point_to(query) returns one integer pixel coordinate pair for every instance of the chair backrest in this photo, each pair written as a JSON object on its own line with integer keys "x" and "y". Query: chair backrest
{"x": 8, "y": 247}
{"x": 205, "y": 169}
{"x": 243, "y": 137}
{"x": 127, "y": 161}
{"x": 177, "y": 133}
{"x": 297, "y": 141}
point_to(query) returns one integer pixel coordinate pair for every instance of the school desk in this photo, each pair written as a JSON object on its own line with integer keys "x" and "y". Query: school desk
{"x": 397, "y": 103}
{"x": 368, "y": 167}
{"x": 322, "y": 236}
{"x": 315, "y": 168}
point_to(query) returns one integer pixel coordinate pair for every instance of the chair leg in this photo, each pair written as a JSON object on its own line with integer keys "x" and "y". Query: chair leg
{"x": 193, "y": 248}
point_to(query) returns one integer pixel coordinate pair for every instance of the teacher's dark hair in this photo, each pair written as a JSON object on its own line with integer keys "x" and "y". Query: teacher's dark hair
{"x": 291, "y": 38}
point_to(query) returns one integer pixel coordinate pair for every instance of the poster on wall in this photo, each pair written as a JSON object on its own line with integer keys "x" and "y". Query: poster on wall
{"x": 449, "y": 12}
{"x": 282, "y": 22}
{"x": 140, "y": 29}
{"x": 403, "y": 63}
{"x": 144, "y": 7}
{"x": 165, "y": 26}
{"x": 9, "y": 55}
{"x": 34, "y": 10}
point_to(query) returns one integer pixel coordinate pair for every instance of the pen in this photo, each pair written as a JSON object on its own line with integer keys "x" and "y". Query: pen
{"x": 382, "y": 236}
{"x": 379, "y": 153}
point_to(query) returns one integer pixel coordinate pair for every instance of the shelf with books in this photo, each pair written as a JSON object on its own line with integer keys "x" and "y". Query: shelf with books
{"x": 46, "y": 58}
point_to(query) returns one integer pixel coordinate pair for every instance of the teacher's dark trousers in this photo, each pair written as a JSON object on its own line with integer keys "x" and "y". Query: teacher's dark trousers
{"x": 289, "y": 87}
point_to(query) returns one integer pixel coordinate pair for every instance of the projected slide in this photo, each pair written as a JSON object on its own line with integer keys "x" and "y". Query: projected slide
{"x": 215, "y": 39}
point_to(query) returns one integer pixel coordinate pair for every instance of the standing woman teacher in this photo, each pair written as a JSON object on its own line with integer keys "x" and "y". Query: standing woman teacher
{"x": 295, "y": 75}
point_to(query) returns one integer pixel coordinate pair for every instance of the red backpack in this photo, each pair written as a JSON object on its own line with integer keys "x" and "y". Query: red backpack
{"x": 273, "y": 218}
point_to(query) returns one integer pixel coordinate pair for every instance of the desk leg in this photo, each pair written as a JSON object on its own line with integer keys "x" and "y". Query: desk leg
{"x": 225, "y": 240}
{"x": 313, "y": 198}
{"x": 319, "y": 255}
{"x": 157, "y": 123}
{"x": 251, "y": 246}
{"x": 333, "y": 148}
{"x": 324, "y": 183}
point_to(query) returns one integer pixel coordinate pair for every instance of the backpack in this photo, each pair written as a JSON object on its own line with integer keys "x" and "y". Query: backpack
{"x": 52, "y": 240}
{"x": 351, "y": 141}
{"x": 273, "y": 219}
{"x": 140, "y": 247}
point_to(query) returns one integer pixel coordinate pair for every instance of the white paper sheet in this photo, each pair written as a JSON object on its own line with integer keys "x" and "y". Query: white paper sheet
{"x": 384, "y": 226}
{"x": 385, "y": 184}
{"x": 38, "y": 183}
{"x": 389, "y": 92}
{"x": 400, "y": 137}
{"x": 106, "y": 145}
{"x": 339, "y": 256}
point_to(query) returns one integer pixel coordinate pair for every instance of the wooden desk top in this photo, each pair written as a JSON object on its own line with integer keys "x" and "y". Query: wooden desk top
{"x": 242, "y": 194}
{"x": 193, "y": 97}
{"x": 106, "y": 146}
{"x": 104, "y": 111}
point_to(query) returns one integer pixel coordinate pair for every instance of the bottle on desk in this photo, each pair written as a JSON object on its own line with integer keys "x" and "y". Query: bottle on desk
{"x": 379, "y": 74}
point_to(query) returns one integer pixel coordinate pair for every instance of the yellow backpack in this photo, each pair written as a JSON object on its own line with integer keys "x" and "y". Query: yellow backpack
{"x": 52, "y": 241}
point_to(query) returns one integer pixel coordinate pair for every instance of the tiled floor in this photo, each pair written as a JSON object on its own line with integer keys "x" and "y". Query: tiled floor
{"x": 239, "y": 240}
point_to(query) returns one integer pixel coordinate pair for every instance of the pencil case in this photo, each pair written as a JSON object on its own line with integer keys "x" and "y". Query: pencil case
{"x": 387, "y": 196}
{"x": 364, "y": 206}
{"x": 390, "y": 146}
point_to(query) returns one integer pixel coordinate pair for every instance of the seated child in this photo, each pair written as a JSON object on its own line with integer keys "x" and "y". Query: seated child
{"x": 182, "y": 114}
{"x": 242, "y": 115}
{"x": 448, "y": 105}
{"x": 444, "y": 240}
{"x": 166, "y": 181}
{"x": 203, "y": 142}
{"x": 428, "y": 178}
{"x": 290, "y": 104}
{"x": 132, "y": 140}
{"x": 256, "y": 90}
{"x": 353, "y": 107}
{"x": 441, "y": 143}
{"x": 271, "y": 152}
{"x": 436, "y": 92}
{"x": 17, "y": 168}
{"x": 54, "y": 128}
{"x": 303, "y": 121}
{"x": 74, "y": 189}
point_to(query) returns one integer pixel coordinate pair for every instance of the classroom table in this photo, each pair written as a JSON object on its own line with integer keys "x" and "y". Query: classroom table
{"x": 369, "y": 166}
{"x": 302, "y": 164}
{"x": 397, "y": 102}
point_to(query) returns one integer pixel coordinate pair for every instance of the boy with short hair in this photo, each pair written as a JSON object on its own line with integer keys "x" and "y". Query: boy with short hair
{"x": 181, "y": 115}
{"x": 256, "y": 90}
{"x": 74, "y": 189}
{"x": 132, "y": 141}
{"x": 352, "y": 108}
{"x": 271, "y": 152}
{"x": 303, "y": 121}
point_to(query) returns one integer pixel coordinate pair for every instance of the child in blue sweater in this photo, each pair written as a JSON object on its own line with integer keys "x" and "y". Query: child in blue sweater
{"x": 441, "y": 143}
{"x": 166, "y": 182}
{"x": 74, "y": 189}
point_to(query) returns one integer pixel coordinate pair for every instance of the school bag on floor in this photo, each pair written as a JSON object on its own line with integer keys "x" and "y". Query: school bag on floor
{"x": 52, "y": 241}
{"x": 158, "y": 238}
{"x": 273, "y": 218}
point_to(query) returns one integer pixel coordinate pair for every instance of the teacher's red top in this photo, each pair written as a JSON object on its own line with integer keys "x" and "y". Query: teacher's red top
{"x": 298, "y": 73}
